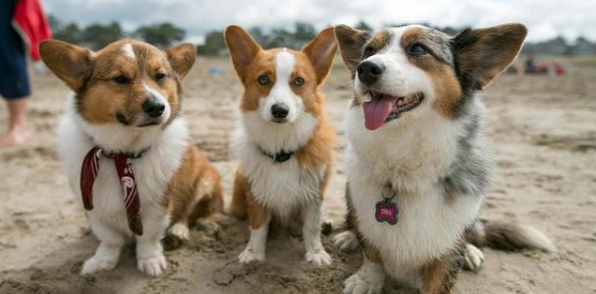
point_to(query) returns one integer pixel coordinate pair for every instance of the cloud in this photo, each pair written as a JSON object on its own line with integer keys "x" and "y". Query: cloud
{"x": 545, "y": 18}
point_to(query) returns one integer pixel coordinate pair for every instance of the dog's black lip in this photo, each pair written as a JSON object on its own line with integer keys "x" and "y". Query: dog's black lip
{"x": 280, "y": 120}
{"x": 153, "y": 123}
{"x": 122, "y": 119}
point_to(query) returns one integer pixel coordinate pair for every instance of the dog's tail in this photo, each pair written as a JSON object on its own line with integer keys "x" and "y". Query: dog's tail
{"x": 508, "y": 236}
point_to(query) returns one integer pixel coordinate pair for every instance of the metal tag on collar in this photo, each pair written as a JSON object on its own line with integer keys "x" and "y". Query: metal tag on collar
{"x": 387, "y": 210}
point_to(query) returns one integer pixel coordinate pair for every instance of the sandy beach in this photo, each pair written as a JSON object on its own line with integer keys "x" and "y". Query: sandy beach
{"x": 544, "y": 134}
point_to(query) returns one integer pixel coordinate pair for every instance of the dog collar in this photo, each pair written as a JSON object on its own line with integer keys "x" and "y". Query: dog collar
{"x": 123, "y": 163}
{"x": 281, "y": 156}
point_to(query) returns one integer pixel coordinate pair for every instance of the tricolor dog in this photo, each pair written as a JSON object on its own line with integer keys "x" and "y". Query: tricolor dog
{"x": 418, "y": 163}
{"x": 126, "y": 150}
{"x": 283, "y": 140}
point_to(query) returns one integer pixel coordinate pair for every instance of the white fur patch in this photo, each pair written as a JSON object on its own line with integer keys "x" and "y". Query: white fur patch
{"x": 281, "y": 91}
{"x": 128, "y": 51}
{"x": 369, "y": 279}
{"x": 473, "y": 258}
{"x": 153, "y": 172}
{"x": 256, "y": 247}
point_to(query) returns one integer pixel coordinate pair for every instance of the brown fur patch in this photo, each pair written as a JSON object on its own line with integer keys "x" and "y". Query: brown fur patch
{"x": 243, "y": 48}
{"x": 195, "y": 190}
{"x": 320, "y": 52}
{"x": 445, "y": 83}
{"x": 351, "y": 45}
{"x": 439, "y": 276}
{"x": 485, "y": 53}
{"x": 263, "y": 64}
{"x": 244, "y": 204}
{"x": 380, "y": 40}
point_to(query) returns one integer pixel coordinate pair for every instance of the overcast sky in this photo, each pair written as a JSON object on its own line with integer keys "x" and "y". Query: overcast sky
{"x": 545, "y": 18}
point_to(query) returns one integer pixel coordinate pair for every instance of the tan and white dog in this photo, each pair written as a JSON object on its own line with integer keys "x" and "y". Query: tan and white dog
{"x": 418, "y": 163}
{"x": 283, "y": 140}
{"x": 126, "y": 108}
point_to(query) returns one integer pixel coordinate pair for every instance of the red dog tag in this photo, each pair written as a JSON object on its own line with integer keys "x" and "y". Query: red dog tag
{"x": 387, "y": 211}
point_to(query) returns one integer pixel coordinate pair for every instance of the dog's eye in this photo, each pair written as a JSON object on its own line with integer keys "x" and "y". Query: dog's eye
{"x": 369, "y": 50}
{"x": 263, "y": 80}
{"x": 298, "y": 81}
{"x": 159, "y": 77}
{"x": 121, "y": 80}
{"x": 418, "y": 49}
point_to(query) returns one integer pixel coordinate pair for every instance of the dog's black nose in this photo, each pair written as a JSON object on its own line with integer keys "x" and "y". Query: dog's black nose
{"x": 153, "y": 107}
{"x": 369, "y": 72}
{"x": 280, "y": 110}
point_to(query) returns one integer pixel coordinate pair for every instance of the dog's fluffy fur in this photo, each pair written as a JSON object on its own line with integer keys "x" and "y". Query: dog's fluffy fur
{"x": 429, "y": 151}
{"x": 176, "y": 183}
{"x": 266, "y": 189}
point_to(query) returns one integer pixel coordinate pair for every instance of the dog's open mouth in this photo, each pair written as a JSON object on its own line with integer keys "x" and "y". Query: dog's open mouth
{"x": 383, "y": 108}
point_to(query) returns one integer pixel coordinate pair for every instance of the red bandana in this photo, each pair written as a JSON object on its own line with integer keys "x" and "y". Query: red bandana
{"x": 125, "y": 173}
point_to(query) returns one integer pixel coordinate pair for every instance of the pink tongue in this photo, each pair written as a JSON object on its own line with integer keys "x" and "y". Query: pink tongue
{"x": 376, "y": 112}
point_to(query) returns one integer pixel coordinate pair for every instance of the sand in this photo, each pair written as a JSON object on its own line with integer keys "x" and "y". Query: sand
{"x": 544, "y": 134}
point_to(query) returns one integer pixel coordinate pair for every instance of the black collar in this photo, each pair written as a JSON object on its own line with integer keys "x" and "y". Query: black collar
{"x": 130, "y": 155}
{"x": 281, "y": 156}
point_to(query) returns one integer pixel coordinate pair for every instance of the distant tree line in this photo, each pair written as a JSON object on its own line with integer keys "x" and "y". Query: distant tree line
{"x": 97, "y": 36}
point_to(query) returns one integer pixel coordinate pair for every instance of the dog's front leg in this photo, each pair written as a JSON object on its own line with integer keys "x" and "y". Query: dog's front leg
{"x": 150, "y": 257}
{"x": 108, "y": 252}
{"x": 259, "y": 228}
{"x": 311, "y": 233}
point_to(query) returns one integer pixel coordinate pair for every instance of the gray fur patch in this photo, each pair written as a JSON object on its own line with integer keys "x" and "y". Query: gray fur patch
{"x": 470, "y": 172}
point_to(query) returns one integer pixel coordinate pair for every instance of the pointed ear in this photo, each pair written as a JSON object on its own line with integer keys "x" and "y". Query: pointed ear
{"x": 321, "y": 52}
{"x": 70, "y": 63}
{"x": 483, "y": 54}
{"x": 351, "y": 45}
{"x": 182, "y": 57}
{"x": 243, "y": 48}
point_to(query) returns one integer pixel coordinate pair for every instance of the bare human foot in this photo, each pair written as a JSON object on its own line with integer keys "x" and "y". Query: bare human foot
{"x": 15, "y": 137}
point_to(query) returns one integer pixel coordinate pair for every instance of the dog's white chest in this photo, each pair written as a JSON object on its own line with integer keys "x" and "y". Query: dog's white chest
{"x": 429, "y": 225}
{"x": 153, "y": 172}
{"x": 282, "y": 186}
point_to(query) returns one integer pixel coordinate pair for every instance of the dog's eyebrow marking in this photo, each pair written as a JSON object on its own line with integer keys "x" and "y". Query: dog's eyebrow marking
{"x": 127, "y": 48}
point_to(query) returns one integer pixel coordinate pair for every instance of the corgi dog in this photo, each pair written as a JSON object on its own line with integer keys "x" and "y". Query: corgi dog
{"x": 126, "y": 151}
{"x": 418, "y": 164}
{"x": 283, "y": 140}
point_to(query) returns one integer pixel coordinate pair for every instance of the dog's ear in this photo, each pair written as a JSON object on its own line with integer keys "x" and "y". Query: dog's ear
{"x": 351, "y": 45}
{"x": 72, "y": 64}
{"x": 321, "y": 52}
{"x": 182, "y": 57}
{"x": 482, "y": 54}
{"x": 243, "y": 48}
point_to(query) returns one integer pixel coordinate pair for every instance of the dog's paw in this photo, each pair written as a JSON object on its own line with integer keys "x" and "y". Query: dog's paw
{"x": 96, "y": 264}
{"x": 153, "y": 266}
{"x": 251, "y": 255}
{"x": 180, "y": 231}
{"x": 474, "y": 258}
{"x": 360, "y": 283}
{"x": 318, "y": 257}
{"x": 346, "y": 241}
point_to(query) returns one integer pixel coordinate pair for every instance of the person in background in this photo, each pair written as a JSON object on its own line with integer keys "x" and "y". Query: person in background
{"x": 23, "y": 26}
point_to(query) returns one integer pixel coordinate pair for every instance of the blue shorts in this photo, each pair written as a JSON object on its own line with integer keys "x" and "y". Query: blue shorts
{"x": 14, "y": 79}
